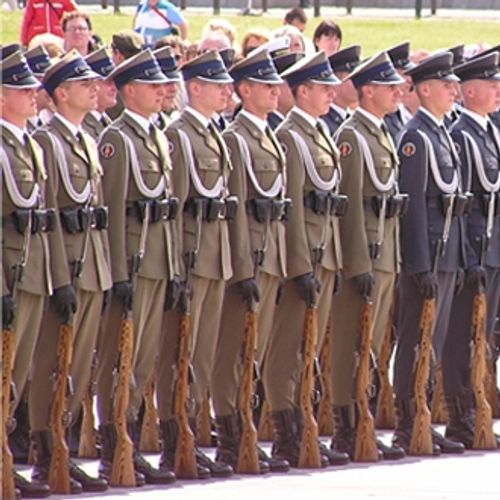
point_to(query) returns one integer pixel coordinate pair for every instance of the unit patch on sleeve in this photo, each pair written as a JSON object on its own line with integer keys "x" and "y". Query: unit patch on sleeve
{"x": 108, "y": 150}
{"x": 345, "y": 149}
{"x": 408, "y": 149}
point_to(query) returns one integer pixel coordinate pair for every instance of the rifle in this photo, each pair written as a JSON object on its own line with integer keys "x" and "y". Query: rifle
{"x": 248, "y": 459}
{"x": 439, "y": 413}
{"x": 421, "y": 437}
{"x": 309, "y": 456}
{"x": 123, "y": 473}
{"x": 325, "y": 414}
{"x": 484, "y": 437}
{"x": 87, "y": 447}
{"x": 384, "y": 415}
{"x": 150, "y": 440}
{"x": 203, "y": 424}
{"x": 185, "y": 466}
{"x": 365, "y": 449}
{"x": 8, "y": 352}
{"x": 265, "y": 432}
{"x": 60, "y": 416}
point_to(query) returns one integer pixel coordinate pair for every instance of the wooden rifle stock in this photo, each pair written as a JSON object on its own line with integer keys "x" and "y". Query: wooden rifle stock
{"x": 484, "y": 438}
{"x": 59, "y": 480}
{"x": 384, "y": 415}
{"x": 309, "y": 456}
{"x": 8, "y": 348}
{"x": 203, "y": 424}
{"x": 439, "y": 413}
{"x": 325, "y": 413}
{"x": 87, "y": 447}
{"x": 365, "y": 449}
{"x": 421, "y": 438}
{"x": 185, "y": 458}
{"x": 248, "y": 460}
{"x": 491, "y": 386}
{"x": 122, "y": 473}
{"x": 150, "y": 439}
{"x": 265, "y": 432}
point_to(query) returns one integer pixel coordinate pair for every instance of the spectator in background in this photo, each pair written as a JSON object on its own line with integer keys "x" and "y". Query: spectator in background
{"x": 155, "y": 19}
{"x": 53, "y": 44}
{"x": 44, "y": 16}
{"x": 222, "y": 26}
{"x": 327, "y": 37}
{"x": 297, "y": 43}
{"x": 77, "y": 33}
{"x": 296, "y": 17}
{"x": 253, "y": 39}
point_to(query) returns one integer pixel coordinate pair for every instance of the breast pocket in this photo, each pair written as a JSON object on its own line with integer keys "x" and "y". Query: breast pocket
{"x": 209, "y": 170}
{"x": 265, "y": 170}
{"x": 79, "y": 176}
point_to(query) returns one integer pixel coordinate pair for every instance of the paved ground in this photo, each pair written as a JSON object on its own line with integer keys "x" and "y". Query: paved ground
{"x": 473, "y": 476}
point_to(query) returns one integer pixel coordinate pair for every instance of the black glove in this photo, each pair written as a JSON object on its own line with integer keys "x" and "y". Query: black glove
{"x": 64, "y": 300}
{"x": 476, "y": 276}
{"x": 338, "y": 283}
{"x": 185, "y": 296}
{"x": 123, "y": 292}
{"x": 307, "y": 288}
{"x": 248, "y": 290}
{"x": 364, "y": 284}
{"x": 459, "y": 281}
{"x": 173, "y": 293}
{"x": 280, "y": 292}
{"x": 427, "y": 284}
{"x": 106, "y": 297}
{"x": 8, "y": 310}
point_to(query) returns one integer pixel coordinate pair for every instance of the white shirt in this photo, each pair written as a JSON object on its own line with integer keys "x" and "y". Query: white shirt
{"x": 376, "y": 121}
{"x": 70, "y": 126}
{"x": 307, "y": 117}
{"x": 140, "y": 120}
{"x": 258, "y": 122}
{"x": 199, "y": 116}
{"x": 431, "y": 116}
{"x": 481, "y": 120}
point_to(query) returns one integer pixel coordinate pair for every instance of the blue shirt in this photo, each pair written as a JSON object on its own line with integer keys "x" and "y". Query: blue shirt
{"x": 151, "y": 25}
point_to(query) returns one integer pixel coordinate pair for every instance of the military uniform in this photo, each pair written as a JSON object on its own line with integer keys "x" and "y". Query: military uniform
{"x": 370, "y": 241}
{"x": 478, "y": 144}
{"x": 429, "y": 173}
{"x": 258, "y": 180}
{"x": 200, "y": 178}
{"x": 74, "y": 174}
{"x": 137, "y": 180}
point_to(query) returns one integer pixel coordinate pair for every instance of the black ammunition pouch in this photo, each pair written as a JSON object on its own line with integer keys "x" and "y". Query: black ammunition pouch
{"x": 262, "y": 209}
{"x": 318, "y": 201}
{"x": 77, "y": 220}
{"x": 463, "y": 204}
{"x": 42, "y": 220}
{"x": 159, "y": 209}
{"x": 396, "y": 205}
{"x": 444, "y": 202}
{"x": 212, "y": 209}
{"x": 339, "y": 204}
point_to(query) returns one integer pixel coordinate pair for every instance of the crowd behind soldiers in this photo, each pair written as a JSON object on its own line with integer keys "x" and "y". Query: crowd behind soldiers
{"x": 151, "y": 182}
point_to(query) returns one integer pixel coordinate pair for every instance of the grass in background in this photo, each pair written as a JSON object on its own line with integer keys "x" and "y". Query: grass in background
{"x": 371, "y": 34}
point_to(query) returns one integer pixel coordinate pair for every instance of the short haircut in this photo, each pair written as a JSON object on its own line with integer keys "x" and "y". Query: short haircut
{"x": 75, "y": 14}
{"x": 297, "y": 13}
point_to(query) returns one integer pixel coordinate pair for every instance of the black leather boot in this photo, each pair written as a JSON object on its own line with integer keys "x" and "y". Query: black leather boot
{"x": 344, "y": 435}
{"x": 19, "y": 438}
{"x": 460, "y": 425}
{"x": 169, "y": 433}
{"x": 108, "y": 444}
{"x": 40, "y": 473}
{"x": 328, "y": 456}
{"x": 30, "y": 489}
{"x": 286, "y": 440}
{"x": 151, "y": 474}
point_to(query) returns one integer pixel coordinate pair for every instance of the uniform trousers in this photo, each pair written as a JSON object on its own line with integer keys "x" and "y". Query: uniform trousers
{"x": 284, "y": 362}
{"x": 147, "y": 315}
{"x": 410, "y": 308}
{"x": 456, "y": 362}
{"x": 85, "y": 328}
{"x": 226, "y": 375}
{"x": 346, "y": 311}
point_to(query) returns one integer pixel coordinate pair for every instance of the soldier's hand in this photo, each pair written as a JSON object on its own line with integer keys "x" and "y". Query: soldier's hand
{"x": 280, "y": 292}
{"x": 122, "y": 290}
{"x": 8, "y": 310}
{"x": 427, "y": 284}
{"x": 364, "y": 284}
{"x": 185, "y": 296}
{"x": 248, "y": 290}
{"x": 106, "y": 298}
{"x": 173, "y": 293}
{"x": 476, "y": 276}
{"x": 64, "y": 300}
{"x": 338, "y": 283}
{"x": 459, "y": 281}
{"x": 307, "y": 288}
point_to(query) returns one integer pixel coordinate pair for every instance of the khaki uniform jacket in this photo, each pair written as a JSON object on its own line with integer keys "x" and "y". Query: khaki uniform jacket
{"x": 120, "y": 189}
{"x": 247, "y": 235}
{"x": 96, "y": 274}
{"x": 27, "y": 170}
{"x": 95, "y": 127}
{"x": 359, "y": 226}
{"x": 214, "y": 256}
{"x": 318, "y": 228}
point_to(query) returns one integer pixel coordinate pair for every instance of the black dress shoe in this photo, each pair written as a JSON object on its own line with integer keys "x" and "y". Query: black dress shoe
{"x": 275, "y": 464}
{"x": 447, "y": 445}
{"x": 217, "y": 469}
{"x": 151, "y": 474}
{"x": 95, "y": 484}
{"x": 29, "y": 489}
{"x": 40, "y": 474}
{"x": 334, "y": 457}
{"x": 393, "y": 452}
{"x": 106, "y": 468}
